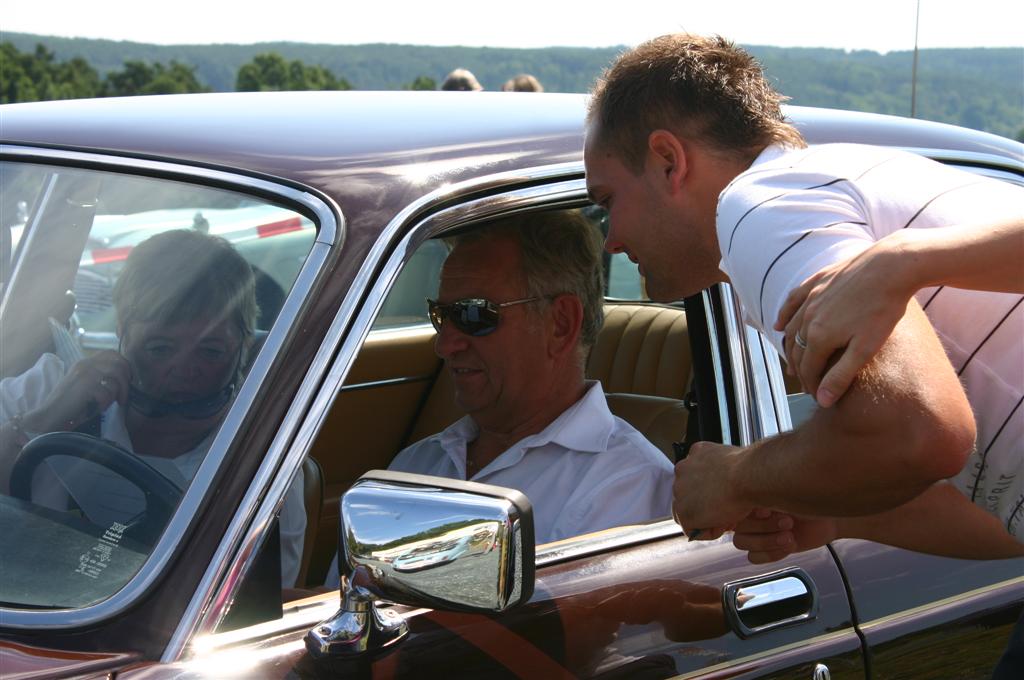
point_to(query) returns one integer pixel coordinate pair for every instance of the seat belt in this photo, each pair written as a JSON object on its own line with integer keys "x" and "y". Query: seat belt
{"x": 693, "y": 428}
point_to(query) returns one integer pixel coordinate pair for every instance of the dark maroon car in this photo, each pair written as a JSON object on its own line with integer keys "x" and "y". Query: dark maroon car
{"x": 339, "y": 202}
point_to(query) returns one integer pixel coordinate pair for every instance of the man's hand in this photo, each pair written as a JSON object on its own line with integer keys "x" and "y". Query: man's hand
{"x": 769, "y": 536}
{"x": 849, "y": 308}
{"x": 704, "y": 496}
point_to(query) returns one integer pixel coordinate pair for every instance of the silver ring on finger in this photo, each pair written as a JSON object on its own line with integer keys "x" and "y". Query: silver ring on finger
{"x": 799, "y": 340}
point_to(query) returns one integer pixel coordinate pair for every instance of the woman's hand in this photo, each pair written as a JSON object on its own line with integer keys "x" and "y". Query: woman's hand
{"x": 91, "y": 386}
{"x": 843, "y": 314}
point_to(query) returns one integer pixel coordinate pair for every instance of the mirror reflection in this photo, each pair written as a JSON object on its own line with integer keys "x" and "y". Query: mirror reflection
{"x": 437, "y": 547}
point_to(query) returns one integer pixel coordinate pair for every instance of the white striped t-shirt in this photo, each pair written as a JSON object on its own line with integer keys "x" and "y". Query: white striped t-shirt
{"x": 795, "y": 211}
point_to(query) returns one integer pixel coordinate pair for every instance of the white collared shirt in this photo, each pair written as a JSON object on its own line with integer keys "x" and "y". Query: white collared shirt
{"x": 588, "y": 470}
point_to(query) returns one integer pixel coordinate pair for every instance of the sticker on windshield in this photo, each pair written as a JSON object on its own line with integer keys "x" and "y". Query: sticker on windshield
{"x": 93, "y": 562}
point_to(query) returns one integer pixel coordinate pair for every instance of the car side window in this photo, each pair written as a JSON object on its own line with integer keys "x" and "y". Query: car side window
{"x": 398, "y": 391}
{"x": 133, "y": 307}
{"x": 406, "y": 304}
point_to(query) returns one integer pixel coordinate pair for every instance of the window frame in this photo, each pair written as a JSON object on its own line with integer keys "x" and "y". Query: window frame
{"x": 330, "y": 230}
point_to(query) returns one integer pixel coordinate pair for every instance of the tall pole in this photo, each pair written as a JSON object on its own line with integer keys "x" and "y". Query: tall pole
{"x": 913, "y": 77}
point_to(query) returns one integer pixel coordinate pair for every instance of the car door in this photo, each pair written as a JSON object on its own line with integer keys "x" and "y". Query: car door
{"x": 639, "y": 601}
{"x": 634, "y": 601}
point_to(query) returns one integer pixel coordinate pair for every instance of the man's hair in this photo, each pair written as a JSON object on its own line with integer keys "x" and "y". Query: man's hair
{"x": 561, "y": 253}
{"x": 704, "y": 87}
{"x": 524, "y": 82}
{"x": 461, "y": 80}
{"x": 183, "y": 274}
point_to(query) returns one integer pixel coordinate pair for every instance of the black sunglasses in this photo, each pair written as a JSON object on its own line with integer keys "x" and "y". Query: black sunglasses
{"x": 472, "y": 316}
{"x": 194, "y": 409}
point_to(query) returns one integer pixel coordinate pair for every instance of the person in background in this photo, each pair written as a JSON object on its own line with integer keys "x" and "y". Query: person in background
{"x": 461, "y": 80}
{"x": 524, "y": 82}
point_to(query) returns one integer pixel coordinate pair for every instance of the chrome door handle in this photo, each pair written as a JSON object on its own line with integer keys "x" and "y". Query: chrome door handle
{"x": 762, "y": 603}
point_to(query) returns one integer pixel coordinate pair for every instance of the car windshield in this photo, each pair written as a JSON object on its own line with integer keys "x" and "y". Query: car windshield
{"x": 132, "y": 309}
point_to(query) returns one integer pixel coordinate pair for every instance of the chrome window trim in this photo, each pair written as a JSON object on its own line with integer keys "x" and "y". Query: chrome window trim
{"x": 330, "y": 230}
{"x": 967, "y": 597}
{"x": 716, "y": 365}
{"x": 355, "y": 387}
{"x": 756, "y": 397}
{"x": 777, "y": 385}
{"x": 323, "y": 380}
{"x": 765, "y": 406}
{"x": 735, "y": 339}
{"x": 748, "y": 662}
{"x": 606, "y": 541}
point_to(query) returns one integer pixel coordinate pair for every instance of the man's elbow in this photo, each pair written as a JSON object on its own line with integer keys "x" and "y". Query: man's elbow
{"x": 943, "y": 437}
{"x": 918, "y": 397}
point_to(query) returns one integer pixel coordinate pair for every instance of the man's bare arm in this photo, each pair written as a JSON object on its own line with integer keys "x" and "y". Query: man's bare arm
{"x": 904, "y": 425}
{"x": 940, "y": 521}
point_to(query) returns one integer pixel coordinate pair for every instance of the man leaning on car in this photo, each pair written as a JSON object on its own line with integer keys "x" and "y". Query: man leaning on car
{"x": 520, "y": 304}
{"x": 709, "y": 184}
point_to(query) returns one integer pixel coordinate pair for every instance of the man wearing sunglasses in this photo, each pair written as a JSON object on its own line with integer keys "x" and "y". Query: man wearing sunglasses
{"x": 520, "y": 304}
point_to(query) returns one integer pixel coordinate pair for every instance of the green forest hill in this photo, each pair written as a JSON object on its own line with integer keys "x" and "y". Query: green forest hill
{"x": 980, "y": 88}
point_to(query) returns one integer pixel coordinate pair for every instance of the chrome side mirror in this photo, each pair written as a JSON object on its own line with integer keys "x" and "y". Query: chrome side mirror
{"x": 425, "y": 542}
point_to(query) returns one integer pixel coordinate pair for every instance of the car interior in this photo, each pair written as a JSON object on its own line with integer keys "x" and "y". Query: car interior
{"x": 397, "y": 393}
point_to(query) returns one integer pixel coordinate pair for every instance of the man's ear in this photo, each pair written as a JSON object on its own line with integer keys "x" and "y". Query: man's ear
{"x": 668, "y": 155}
{"x": 565, "y": 320}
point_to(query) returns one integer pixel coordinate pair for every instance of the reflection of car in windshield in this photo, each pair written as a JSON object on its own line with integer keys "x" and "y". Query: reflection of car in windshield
{"x": 113, "y": 237}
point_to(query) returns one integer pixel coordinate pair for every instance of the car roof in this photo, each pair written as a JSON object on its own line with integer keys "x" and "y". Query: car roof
{"x": 330, "y": 140}
{"x": 318, "y": 138}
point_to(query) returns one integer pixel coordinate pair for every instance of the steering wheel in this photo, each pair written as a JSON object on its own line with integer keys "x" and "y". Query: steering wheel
{"x": 161, "y": 494}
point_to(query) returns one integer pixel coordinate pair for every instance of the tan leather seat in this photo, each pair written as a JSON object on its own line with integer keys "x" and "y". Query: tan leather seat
{"x": 642, "y": 349}
{"x": 660, "y": 419}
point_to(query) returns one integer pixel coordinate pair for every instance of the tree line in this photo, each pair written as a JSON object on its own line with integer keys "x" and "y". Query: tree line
{"x": 980, "y": 88}
{"x": 39, "y": 76}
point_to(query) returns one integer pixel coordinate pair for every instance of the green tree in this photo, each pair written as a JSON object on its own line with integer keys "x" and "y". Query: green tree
{"x": 421, "y": 83}
{"x": 140, "y": 78}
{"x": 271, "y": 72}
{"x": 37, "y": 76}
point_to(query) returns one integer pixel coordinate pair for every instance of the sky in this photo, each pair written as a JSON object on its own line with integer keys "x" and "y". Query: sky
{"x": 878, "y": 25}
